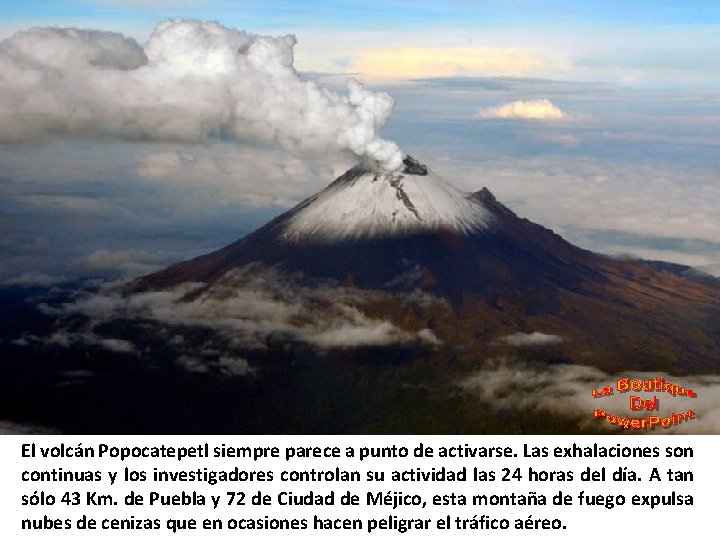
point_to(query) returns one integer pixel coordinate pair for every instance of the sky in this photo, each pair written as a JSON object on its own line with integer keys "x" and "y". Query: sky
{"x": 650, "y": 42}
{"x": 597, "y": 119}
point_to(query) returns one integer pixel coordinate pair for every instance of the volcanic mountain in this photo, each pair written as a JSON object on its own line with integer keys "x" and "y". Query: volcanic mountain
{"x": 396, "y": 232}
{"x": 499, "y": 273}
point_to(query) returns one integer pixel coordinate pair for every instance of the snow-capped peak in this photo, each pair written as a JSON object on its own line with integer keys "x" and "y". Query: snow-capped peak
{"x": 366, "y": 203}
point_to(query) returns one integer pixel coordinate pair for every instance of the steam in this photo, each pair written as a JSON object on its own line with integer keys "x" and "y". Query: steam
{"x": 192, "y": 81}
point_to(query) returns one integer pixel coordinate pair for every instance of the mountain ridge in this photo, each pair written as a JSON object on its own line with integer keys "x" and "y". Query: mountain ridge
{"x": 509, "y": 275}
{"x": 499, "y": 250}
{"x": 485, "y": 225}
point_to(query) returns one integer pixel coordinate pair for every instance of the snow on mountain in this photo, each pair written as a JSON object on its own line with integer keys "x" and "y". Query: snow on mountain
{"x": 364, "y": 203}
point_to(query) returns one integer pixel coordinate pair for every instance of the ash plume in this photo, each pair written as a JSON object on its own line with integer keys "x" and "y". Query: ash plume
{"x": 191, "y": 82}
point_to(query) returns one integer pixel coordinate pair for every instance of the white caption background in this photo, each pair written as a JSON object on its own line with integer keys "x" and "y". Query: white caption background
{"x": 109, "y": 501}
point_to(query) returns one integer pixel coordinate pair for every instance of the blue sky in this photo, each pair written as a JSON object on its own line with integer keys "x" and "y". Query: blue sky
{"x": 640, "y": 43}
{"x": 629, "y": 166}
{"x": 390, "y": 14}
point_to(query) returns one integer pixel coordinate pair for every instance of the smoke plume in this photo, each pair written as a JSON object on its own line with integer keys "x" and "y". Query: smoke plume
{"x": 192, "y": 81}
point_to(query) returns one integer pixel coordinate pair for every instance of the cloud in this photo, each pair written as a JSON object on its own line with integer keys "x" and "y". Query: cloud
{"x": 65, "y": 200}
{"x": 565, "y": 390}
{"x": 412, "y": 62}
{"x": 583, "y": 53}
{"x": 535, "y": 109}
{"x": 228, "y": 366}
{"x": 708, "y": 262}
{"x": 192, "y": 364}
{"x": 34, "y": 278}
{"x": 608, "y": 179}
{"x": 14, "y": 428}
{"x": 191, "y": 82}
{"x": 534, "y": 339}
{"x": 235, "y": 367}
{"x": 245, "y": 309}
{"x": 66, "y": 337}
{"x": 124, "y": 262}
{"x": 568, "y": 140}
{"x": 665, "y": 211}
{"x": 117, "y": 345}
{"x": 258, "y": 177}
{"x": 359, "y": 330}
{"x": 70, "y": 204}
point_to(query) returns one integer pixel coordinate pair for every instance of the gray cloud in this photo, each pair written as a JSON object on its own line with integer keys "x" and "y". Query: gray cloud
{"x": 235, "y": 367}
{"x": 67, "y": 338}
{"x": 117, "y": 345}
{"x": 128, "y": 262}
{"x": 65, "y": 204}
{"x": 33, "y": 278}
{"x": 257, "y": 177}
{"x": 228, "y": 366}
{"x": 661, "y": 211}
{"x": 192, "y": 364}
{"x": 14, "y": 428}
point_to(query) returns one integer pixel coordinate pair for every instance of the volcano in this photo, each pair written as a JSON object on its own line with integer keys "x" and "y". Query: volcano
{"x": 385, "y": 303}
{"x": 411, "y": 230}
{"x": 397, "y": 232}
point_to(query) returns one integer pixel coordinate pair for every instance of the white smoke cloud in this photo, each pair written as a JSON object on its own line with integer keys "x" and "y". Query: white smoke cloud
{"x": 192, "y": 81}
{"x": 534, "y": 109}
{"x": 566, "y": 390}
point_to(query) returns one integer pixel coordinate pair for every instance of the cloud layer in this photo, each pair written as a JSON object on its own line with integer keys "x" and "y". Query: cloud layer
{"x": 410, "y": 62}
{"x": 534, "y": 109}
{"x": 245, "y": 310}
{"x": 565, "y": 390}
{"x": 662, "y": 211}
{"x": 191, "y": 82}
